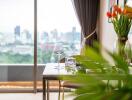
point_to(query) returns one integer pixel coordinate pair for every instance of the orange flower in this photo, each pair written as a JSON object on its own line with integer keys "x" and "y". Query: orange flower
{"x": 109, "y": 15}
{"x": 119, "y": 10}
{"x": 116, "y": 8}
{"x": 124, "y": 11}
{"x": 114, "y": 14}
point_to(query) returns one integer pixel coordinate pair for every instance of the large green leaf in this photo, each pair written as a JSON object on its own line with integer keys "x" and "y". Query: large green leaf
{"x": 96, "y": 83}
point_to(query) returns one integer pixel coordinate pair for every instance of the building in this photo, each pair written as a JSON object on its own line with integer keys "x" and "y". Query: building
{"x": 17, "y": 32}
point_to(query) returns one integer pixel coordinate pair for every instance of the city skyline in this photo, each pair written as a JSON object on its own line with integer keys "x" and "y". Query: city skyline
{"x": 25, "y": 36}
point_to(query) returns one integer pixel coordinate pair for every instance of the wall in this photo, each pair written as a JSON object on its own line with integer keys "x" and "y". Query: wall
{"x": 108, "y": 36}
{"x": 19, "y": 73}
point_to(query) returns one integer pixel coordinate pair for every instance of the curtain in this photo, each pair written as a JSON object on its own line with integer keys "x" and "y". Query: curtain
{"x": 87, "y": 12}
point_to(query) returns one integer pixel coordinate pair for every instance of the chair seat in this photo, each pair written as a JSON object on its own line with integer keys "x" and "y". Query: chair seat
{"x": 69, "y": 84}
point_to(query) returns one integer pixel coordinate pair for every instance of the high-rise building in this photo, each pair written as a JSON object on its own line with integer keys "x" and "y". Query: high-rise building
{"x": 25, "y": 36}
{"x": 73, "y": 29}
{"x": 28, "y": 34}
{"x": 17, "y": 32}
{"x": 44, "y": 37}
{"x": 54, "y": 34}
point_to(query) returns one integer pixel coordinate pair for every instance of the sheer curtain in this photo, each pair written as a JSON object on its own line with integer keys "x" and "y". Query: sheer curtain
{"x": 87, "y": 12}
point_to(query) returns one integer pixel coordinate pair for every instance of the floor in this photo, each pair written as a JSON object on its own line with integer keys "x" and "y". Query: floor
{"x": 26, "y": 84}
{"x": 31, "y": 96}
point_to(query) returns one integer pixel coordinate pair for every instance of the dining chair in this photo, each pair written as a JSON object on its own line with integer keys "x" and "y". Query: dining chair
{"x": 66, "y": 84}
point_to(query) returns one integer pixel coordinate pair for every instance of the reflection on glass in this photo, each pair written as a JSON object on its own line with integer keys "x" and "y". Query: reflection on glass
{"x": 58, "y": 53}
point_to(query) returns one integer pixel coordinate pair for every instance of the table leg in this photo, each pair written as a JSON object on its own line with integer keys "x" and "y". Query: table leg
{"x": 47, "y": 90}
{"x": 59, "y": 90}
{"x": 44, "y": 89}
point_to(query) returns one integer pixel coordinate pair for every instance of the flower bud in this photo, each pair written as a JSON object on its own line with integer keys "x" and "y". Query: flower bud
{"x": 109, "y": 15}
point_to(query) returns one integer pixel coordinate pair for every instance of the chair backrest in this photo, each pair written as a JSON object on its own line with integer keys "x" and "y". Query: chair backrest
{"x": 62, "y": 60}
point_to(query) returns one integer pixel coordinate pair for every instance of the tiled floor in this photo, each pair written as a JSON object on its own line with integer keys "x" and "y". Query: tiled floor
{"x": 31, "y": 96}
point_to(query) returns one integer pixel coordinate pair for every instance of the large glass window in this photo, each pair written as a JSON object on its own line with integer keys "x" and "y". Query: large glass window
{"x": 58, "y": 30}
{"x": 16, "y": 31}
{"x": 16, "y": 43}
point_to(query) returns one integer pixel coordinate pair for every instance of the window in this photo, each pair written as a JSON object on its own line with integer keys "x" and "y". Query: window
{"x": 58, "y": 30}
{"x": 16, "y": 43}
{"x": 16, "y": 31}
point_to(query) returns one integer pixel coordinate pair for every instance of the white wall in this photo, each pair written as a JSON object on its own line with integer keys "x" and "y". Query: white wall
{"x": 108, "y": 35}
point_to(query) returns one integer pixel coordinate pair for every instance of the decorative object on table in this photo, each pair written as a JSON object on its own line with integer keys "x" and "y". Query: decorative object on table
{"x": 122, "y": 24}
{"x": 110, "y": 5}
{"x": 59, "y": 53}
{"x": 70, "y": 64}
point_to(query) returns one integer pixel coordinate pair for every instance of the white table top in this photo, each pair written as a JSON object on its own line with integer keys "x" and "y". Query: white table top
{"x": 51, "y": 70}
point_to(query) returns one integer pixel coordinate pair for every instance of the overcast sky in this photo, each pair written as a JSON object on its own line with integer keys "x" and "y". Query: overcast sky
{"x": 52, "y": 14}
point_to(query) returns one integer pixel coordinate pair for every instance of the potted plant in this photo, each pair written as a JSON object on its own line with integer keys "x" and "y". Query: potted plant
{"x": 122, "y": 22}
{"x": 96, "y": 82}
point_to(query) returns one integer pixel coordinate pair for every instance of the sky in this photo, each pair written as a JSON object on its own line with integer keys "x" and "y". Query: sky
{"x": 52, "y": 14}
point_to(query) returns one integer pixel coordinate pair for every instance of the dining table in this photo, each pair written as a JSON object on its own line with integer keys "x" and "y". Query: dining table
{"x": 53, "y": 71}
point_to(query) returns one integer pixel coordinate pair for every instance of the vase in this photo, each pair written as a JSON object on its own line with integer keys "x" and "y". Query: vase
{"x": 120, "y": 46}
{"x": 123, "y": 48}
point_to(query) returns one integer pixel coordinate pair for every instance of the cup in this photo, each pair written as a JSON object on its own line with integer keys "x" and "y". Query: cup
{"x": 70, "y": 64}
